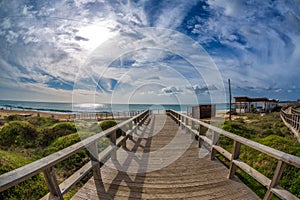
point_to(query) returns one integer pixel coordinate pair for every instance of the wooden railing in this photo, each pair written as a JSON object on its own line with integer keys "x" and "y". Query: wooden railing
{"x": 295, "y": 111}
{"x": 46, "y": 164}
{"x": 105, "y": 116}
{"x": 197, "y": 127}
{"x": 291, "y": 120}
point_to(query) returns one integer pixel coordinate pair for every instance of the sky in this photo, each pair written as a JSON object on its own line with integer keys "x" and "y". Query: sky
{"x": 155, "y": 51}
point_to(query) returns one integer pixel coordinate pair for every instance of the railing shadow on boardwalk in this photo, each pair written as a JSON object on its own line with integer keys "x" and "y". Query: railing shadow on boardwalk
{"x": 121, "y": 174}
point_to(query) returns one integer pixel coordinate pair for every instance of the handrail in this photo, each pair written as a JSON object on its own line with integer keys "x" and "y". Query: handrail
{"x": 291, "y": 120}
{"x": 282, "y": 158}
{"x": 295, "y": 111}
{"x": 46, "y": 164}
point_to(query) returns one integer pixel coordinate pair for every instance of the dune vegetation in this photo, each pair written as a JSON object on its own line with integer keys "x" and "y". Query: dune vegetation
{"x": 26, "y": 139}
{"x": 270, "y": 131}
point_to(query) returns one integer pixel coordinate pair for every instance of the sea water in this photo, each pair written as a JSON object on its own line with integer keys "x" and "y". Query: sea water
{"x": 101, "y": 108}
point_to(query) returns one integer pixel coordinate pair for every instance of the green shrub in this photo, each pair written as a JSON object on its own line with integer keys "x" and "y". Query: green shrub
{"x": 238, "y": 128}
{"x": 33, "y": 188}
{"x": 14, "y": 118}
{"x": 108, "y": 124}
{"x": 95, "y": 128}
{"x": 49, "y": 134}
{"x": 63, "y": 128}
{"x": 41, "y": 121}
{"x": 18, "y": 133}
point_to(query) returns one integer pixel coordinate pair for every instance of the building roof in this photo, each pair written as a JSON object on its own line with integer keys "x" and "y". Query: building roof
{"x": 257, "y": 99}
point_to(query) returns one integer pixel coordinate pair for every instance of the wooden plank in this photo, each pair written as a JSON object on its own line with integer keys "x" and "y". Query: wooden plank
{"x": 222, "y": 151}
{"x": 75, "y": 178}
{"x": 283, "y": 194}
{"x": 265, "y": 181}
{"x": 203, "y": 137}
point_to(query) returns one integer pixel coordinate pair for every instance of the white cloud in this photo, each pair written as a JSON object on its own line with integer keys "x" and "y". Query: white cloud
{"x": 253, "y": 43}
{"x": 171, "y": 89}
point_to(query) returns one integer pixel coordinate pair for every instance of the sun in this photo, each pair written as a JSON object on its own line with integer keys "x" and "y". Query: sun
{"x": 90, "y": 37}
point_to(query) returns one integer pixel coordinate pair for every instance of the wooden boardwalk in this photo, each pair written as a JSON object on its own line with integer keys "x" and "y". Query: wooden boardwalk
{"x": 141, "y": 174}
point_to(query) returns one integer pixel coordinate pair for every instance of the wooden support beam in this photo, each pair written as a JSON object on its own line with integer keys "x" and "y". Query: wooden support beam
{"x": 131, "y": 124}
{"x": 214, "y": 141}
{"x": 235, "y": 155}
{"x": 276, "y": 177}
{"x": 52, "y": 183}
{"x": 94, "y": 155}
{"x": 113, "y": 139}
{"x": 193, "y": 125}
{"x": 124, "y": 141}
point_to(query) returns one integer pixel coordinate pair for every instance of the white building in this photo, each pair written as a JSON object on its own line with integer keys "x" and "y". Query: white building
{"x": 245, "y": 104}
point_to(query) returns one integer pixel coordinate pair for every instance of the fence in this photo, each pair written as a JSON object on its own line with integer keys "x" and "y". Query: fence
{"x": 291, "y": 117}
{"x": 282, "y": 158}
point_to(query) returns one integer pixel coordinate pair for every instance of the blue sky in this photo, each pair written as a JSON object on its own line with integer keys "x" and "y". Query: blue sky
{"x": 49, "y": 50}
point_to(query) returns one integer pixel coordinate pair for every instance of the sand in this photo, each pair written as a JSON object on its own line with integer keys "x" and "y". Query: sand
{"x": 27, "y": 113}
{"x": 70, "y": 117}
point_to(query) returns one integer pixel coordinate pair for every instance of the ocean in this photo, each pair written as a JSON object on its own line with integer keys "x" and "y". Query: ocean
{"x": 99, "y": 108}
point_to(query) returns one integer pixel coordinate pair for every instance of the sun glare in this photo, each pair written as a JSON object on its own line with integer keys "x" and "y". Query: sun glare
{"x": 92, "y": 36}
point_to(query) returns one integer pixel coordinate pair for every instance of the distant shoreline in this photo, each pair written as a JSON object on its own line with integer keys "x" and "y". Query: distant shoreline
{"x": 71, "y": 116}
{"x": 66, "y": 116}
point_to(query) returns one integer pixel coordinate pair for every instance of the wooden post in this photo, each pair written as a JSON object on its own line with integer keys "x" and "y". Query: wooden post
{"x": 93, "y": 151}
{"x": 124, "y": 141}
{"x": 298, "y": 123}
{"x": 138, "y": 122}
{"x": 215, "y": 141}
{"x": 135, "y": 130}
{"x": 199, "y": 138}
{"x": 130, "y": 128}
{"x": 52, "y": 183}
{"x": 230, "y": 97}
{"x": 277, "y": 176}
{"x": 186, "y": 121}
{"x": 193, "y": 125}
{"x": 235, "y": 155}
{"x": 181, "y": 122}
{"x": 113, "y": 140}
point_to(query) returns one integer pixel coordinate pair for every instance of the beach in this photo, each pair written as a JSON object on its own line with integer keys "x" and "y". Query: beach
{"x": 69, "y": 116}
{"x": 27, "y": 113}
